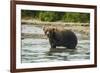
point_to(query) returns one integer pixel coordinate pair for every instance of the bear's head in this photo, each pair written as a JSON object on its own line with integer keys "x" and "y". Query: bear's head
{"x": 49, "y": 31}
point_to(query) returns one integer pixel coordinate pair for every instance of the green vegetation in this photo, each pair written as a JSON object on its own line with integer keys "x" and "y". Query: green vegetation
{"x": 52, "y": 16}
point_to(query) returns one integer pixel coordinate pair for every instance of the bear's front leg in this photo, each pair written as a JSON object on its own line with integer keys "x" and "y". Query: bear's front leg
{"x": 52, "y": 43}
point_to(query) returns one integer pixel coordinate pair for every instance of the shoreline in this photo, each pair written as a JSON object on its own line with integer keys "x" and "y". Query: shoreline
{"x": 36, "y": 22}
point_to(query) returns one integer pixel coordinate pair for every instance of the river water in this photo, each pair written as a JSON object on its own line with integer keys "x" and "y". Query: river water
{"x": 35, "y": 49}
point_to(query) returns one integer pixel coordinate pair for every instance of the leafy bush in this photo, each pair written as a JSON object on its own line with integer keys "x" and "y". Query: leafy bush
{"x": 56, "y": 16}
{"x": 47, "y": 16}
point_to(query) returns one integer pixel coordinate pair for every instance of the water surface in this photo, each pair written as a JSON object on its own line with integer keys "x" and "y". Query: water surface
{"x": 37, "y": 49}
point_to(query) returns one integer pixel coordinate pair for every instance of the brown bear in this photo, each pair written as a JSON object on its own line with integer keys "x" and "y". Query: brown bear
{"x": 60, "y": 37}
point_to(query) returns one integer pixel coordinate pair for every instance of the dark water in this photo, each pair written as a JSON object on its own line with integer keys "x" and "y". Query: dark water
{"x": 37, "y": 49}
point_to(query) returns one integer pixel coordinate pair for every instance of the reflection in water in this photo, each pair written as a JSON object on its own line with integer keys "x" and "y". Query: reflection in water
{"x": 37, "y": 49}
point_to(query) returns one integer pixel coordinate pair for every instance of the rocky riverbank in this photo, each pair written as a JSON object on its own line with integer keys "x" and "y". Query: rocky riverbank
{"x": 36, "y": 22}
{"x": 75, "y": 27}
